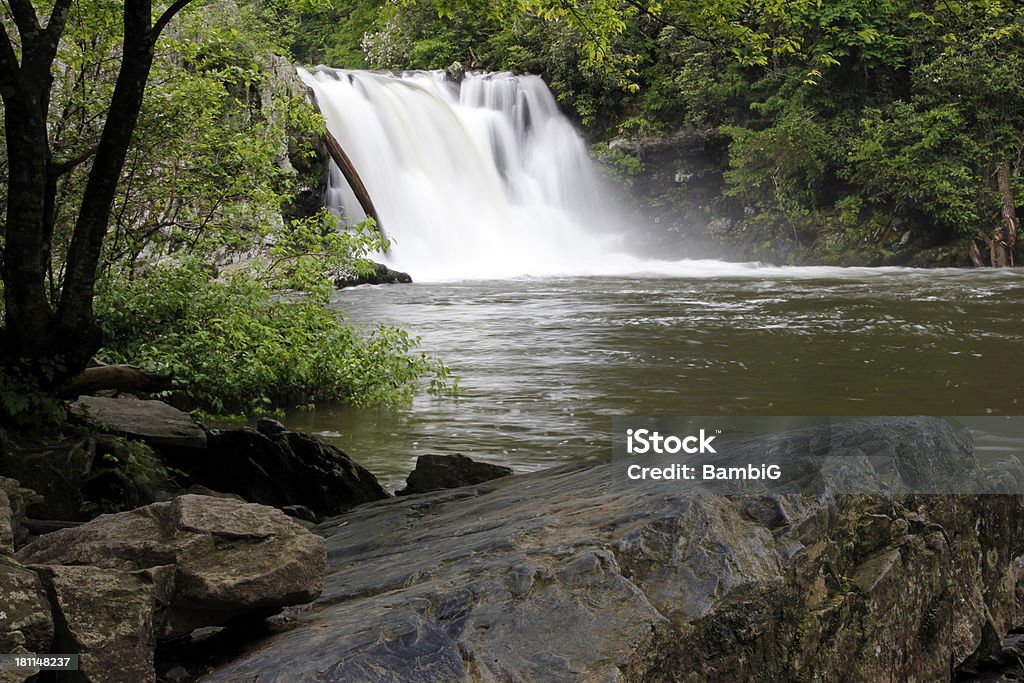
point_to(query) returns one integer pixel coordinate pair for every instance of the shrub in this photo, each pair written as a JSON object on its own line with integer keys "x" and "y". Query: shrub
{"x": 234, "y": 343}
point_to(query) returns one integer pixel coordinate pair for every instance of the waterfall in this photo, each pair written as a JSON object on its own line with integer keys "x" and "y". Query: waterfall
{"x": 486, "y": 179}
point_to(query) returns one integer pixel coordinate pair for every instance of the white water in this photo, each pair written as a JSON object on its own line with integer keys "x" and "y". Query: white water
{"x": 489, "y": 180}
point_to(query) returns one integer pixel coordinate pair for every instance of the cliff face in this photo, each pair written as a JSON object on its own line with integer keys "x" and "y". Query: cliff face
{"x": 677, "y": 184}
{"x": 677, "y": 187}
{"x": 572, "y": 575}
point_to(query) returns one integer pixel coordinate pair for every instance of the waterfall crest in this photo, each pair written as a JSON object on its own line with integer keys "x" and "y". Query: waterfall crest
{"x": 485, "y": 180}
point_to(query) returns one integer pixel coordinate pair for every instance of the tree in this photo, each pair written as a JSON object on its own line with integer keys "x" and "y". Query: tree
{"x": 55, "y": 339}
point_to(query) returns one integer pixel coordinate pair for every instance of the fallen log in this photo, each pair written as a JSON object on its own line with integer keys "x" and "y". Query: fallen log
{"x": 126, "y": 378}
{"x": 348, "y": 170}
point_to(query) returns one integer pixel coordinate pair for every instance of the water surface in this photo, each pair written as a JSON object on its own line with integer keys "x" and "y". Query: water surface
{"x": 546, "y": 363}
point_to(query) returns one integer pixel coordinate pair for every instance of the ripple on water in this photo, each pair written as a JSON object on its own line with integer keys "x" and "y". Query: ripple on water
{"x": 546, "y": 364}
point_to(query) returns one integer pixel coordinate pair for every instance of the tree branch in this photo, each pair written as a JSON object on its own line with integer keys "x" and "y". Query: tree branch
{"x": 25, "y": 17}
{"x": 70, "y": 164}
{"x": 8, "y": 59}
{"x": 58, "y": 20}
{"x": 166, "y": 17}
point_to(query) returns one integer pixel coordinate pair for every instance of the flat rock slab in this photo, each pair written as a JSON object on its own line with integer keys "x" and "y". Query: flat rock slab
{"x": 154, "y": 422}
{"x": 571, "y": 575}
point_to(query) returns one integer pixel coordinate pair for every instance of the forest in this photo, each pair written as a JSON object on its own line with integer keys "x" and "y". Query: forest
{"x": 162, "y": 173}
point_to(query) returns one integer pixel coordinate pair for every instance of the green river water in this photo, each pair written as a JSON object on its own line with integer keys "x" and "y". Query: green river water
{"x": 545, "y": 364}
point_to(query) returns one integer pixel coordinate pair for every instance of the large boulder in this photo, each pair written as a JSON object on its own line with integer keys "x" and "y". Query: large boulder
{"x": 210, "y": 560}
{"x": 435, "y": 472}
{"x": 577, "y": 575}
{"x": 106, "y": 618}
{"x": 276, "y": 467}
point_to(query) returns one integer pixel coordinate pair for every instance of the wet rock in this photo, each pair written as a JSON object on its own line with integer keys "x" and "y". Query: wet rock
{"x": 300, "y": 512}
{"x": 210, "y": 560}
{"x": 954, "y": 255}
{"x": 574, "y": 575}
{"x": 106, "y": 618}
{"x": 269, "y": 427}
{"x": 381, "y": 275}
{"x": 154, "y": 422}
{"x": 282, "y": 468}
{"x": 455, "y": 72}
{"x": 26, "y": 622}
{"x": 436, "y": 472}
{"x": 679, "y": 191}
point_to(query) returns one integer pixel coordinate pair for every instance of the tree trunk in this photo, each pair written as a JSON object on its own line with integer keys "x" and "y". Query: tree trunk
{"x": 54, "y": 345}
{"x": 29, "y": 317}
{"x": 28, "y": 333}
{"x": 1004, "y": 238}
{"x": 975, "y": 255}
{"x": 75, "y": 310}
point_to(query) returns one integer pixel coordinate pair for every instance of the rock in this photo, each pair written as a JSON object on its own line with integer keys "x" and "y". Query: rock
{"x": 269, "y": 427}
{"x": 455, "y": 72}
{"x": 199, "y": 490}
{"x": 96, "y": 473}
{"x": 678, "y": 189}
{"x": 300, "y": 512}
{"x": 953, "y": 255}
{"x": 26, "y": 621}
{"x": 59, "y": 497}
{"x": 436, "y": 472}
{"x": 211, "y": 560}
{"x": 178, "y": 674}
{"x": 283, "y": 468}
{"x": 13, "y": 501}
{"x": 154, "y": 422}
{"x": 575, "y": 575}
{"x": 106, "y": 617}
{"x": 382, "y": 275}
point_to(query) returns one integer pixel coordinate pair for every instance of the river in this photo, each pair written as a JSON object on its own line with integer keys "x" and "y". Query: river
{"x": 544, "y": 364}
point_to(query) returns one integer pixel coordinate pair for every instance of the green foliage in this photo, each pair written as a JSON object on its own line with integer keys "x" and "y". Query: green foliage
{"x": 235, "y": 345}
{"x": 781, "y": 166}
{"x": 26, "y": 404}
{"x": 333, "y": 32}
{"x": 310, "y": 253}
{"x": 206, "y": 172}
{"x": 618, "y": 165}
{"x": 922, "y": 161}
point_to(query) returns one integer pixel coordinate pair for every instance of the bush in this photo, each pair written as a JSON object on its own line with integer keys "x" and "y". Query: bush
{"x": 236, "y": 345}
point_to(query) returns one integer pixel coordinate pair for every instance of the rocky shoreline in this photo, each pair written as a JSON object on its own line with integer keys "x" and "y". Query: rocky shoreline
{"x": 566, "y": 574}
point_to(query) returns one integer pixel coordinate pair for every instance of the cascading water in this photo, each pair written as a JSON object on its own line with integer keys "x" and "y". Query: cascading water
{"x": 483, "y": 180}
